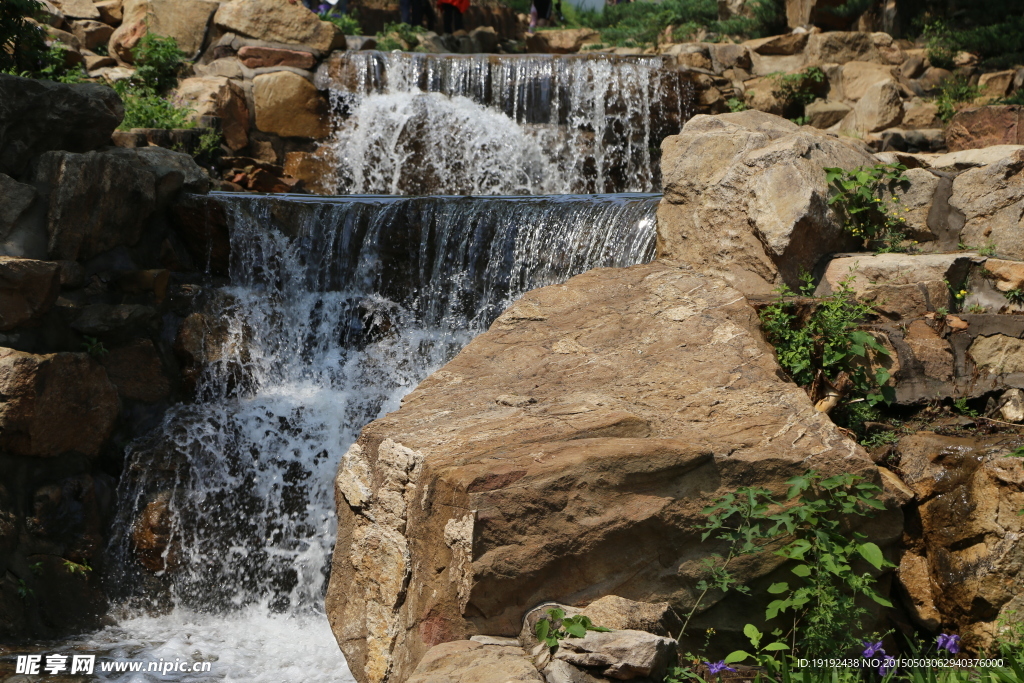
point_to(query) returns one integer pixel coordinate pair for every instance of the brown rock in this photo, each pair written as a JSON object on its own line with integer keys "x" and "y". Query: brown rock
{"x": 455, "y": 511}
{"x": 312, "y": 168}
{"x": 762, "y": 94}
{"x": 464, "y": 661}
{"x": 290, "y": 106}
{"x": 94, "y": 62}
{"x": 92, "y": 34}
{"x": 27, "y": 290}
{"x": 986, "y": 126}
{"x": 279, "y": 21}
{"x": 840, "y": 47}
{"x": 745, "y": 197}
{"x": 994, "y": 86}
{"x": 98, "y": 201}
{"x": 78, "y": 9}
{"x": 220, "y": 97}
{"x": 152, "y": 533}
{"x": 255, "y": 57}
{"x": 931, "y": 351}
{"x": 859, "y": 77}
{"x": 918, "y": 113}
{"x": 880, "y": 107}
{"x": 184, "y": 20}
{"x": 964, "y": 566}
{"x": 916, "y": 198}
{"x": 111, "y": 12}
{"x": 1007, "y": 274}
{"x": 825, "y": 113}
{"x": 786, "y": 44}
{"x": 54, "y": 404}
{"x": 933, "y": 77}
{"x": 998, "y": 354}
{"x": 618, "y": 613}
{"x": 561, "y": 41}
{"x": 137, "y": 372}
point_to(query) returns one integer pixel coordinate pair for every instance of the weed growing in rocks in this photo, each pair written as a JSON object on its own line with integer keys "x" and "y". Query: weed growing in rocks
{"x": 955, "y": 91}
{"x": 1015, "y": 296}
{"x": 158, "y": 61}
{"x": 399, "y": 36}
{"x": 817, "y": 614}
{"x": 556, "y": 626}
{"x": 856, "y": 195}
{"x": 346, "y": 23}
{"x": 22, "y": 43}
{"x": 797, "y": 90}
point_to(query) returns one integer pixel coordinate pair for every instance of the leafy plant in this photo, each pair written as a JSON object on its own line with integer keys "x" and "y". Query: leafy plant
{"x": 144, "y": 108}
{"x": 960, "y": 406}
{"x": 399, "y": 36}
{"x": 798, "y": 88}
{"x": 22, "y": 43}
{"x": 954, "y": 91}
{"x": 24, "y": 592}
{"x": 76, "y": 568}
{"x": 828, "y": 341}
{"x": 94, "y": 347}
{"x": 735, "y": 104}
{"x": 347, "y": 23}
{"x": 157, "y": 63}
{"x": 940, "y": 43}
{"x": 989, "y": 249}
{"x": 1015, "y": 296}
{"x": 883, "y": 438}
{"x": 556, "y": 626}
{"x": 857, "y": 196}
{"x": 812, "y": 526}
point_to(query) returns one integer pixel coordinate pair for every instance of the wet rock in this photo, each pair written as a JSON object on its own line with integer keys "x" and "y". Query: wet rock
{"x": 220, "y": 97}
{"x": 151, "y": 535}
{"x": 989, "y": 198}
{"x": 745, "y": 197}
{"x": 54, "y": 404}
{"x": 898, "y": 285}
{"x": 290, "y": 106}
{"x": 37, "y": 116}
{"x": 961, "y": 569}
{"x": 985, "y": 126}
{"x": 465, "y": 661}
{"x": 279, "y": 22}
{"x": 97, "y": 201}
{"x": 622, "y": 655}
{"x": 202, "y": 226}
{"x": 456, "y": 512}
{"x": 313, "y": 169}
{"x": 561, "y": 41}
{"x": 117, "y": 320}
{"x": 184, "y": 20}
{"x": 27, "y": 290}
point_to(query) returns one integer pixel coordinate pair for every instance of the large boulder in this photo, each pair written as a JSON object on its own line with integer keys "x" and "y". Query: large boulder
{"x": 465, "y": 661}
{"x": 21, "y": 230}
{"x": 559, "y": 458}
{"x": 221, "y": 97}
{"x": 880, "y": 107}
{"x": 961, "y": 570}
{"x": 985, "y": 127}
{"x": 54, "y": 404}
{"x": 37, "y": 116}
{"x": 184, "y": 20}
{"x": 97, "y": 201}
{"x": 745, "y": 197}
{"x": 990, "y": 198}
{"x": 290, "y": 106}
{"x": 279, "y": 21}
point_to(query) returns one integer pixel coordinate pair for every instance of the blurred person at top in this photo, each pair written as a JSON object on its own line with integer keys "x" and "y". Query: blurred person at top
{"x": 451, "y": 12}
{"x": 540, "y": 13}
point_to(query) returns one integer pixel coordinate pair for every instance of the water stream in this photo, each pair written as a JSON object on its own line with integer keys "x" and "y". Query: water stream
{"x": 337, "y": 308}
{"x": 408, "y": 123}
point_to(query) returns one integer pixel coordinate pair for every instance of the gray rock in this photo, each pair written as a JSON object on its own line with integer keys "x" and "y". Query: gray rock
{"x": 618, "y": 613}
{"x": 38, "y": 116}
{"x": 990, "y": 197}
{"x": 559, "y": 671}
{"x": 1011, "y": 405}
{"x": 622, "y": 655}
{"x": 17, "y": 200}
{"x": 825, "y": 113}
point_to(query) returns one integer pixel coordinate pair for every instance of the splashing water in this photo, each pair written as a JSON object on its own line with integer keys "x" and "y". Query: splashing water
{"x": 410, "y": 123}
{"x": 336, "y": 309}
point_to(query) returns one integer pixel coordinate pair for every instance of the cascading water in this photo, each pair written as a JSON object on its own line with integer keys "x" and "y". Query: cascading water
{"x": 412, "y": 124}
{"x": 336, "y": 309}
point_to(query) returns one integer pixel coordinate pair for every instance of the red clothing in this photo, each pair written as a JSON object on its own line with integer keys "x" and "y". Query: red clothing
{"x": 461, "y": 5}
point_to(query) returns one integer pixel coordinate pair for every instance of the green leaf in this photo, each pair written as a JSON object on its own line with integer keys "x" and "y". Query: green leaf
{"x": 777, "y": 588}
{"x": 576, "y": 630}
{"x": 751, "y": 632}
{"x": 774, "y": 647}
{"x": 872, "y": 553}
{"x": 541, "y": 628}
{"x": 802, "y": 570}
{"x": 736, "y": 656}
{"x": 556, "y": 614}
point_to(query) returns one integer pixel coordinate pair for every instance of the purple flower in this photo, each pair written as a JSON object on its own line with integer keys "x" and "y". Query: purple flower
{"x": 718, "y": 667}
{"x": 949, "y": 642}
{"x": 872, "y": 649}
{"x": 888, "y": 663}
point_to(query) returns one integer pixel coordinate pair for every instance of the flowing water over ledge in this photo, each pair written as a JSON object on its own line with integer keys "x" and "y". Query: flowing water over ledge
{"x": 408, "y": 123}
{"x": 337, "y": 308}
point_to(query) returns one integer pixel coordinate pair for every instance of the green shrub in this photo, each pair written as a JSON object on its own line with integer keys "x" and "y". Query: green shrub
{"x": 346, "y": 23}
{"x": 26, "y": 41}
{"x": 157, "y": 63}
{"x": 386, "y": 40}
{"x": 954, "y": 91}
{"x": 144, "y": 108}
{"x": 857, "y": 196}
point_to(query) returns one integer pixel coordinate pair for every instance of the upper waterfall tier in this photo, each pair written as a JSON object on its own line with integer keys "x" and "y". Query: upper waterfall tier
{"x": 411, "y": 124}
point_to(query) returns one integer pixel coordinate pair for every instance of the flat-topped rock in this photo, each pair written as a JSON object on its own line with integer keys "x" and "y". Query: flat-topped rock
{"x": 640, "y": 395}
{"x": 279, "y": 21}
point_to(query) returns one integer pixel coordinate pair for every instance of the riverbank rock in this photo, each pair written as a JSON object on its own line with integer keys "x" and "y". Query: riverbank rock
{"x": 290, "y": 106}
{"x": 54, "y": 404}
{"x": 279, "y": 21}
{"x": 989, "y": 198}
{"x": 184, "y": 20}
{"x": 961, "y": 570}
{"x": 465, "y": 661}
{"x": 745, "y": 198}
{"x": 567, "y": 454}
{"x": 985, "y": 126}
{"x": 37, "y": 116}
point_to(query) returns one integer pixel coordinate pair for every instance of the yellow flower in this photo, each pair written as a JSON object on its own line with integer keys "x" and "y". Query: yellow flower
{"x": 963, "y": 292}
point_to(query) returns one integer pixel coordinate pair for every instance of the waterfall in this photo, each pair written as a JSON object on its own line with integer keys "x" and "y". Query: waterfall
{"x": 336, "y": 308}
{"x": 408, "y": 123}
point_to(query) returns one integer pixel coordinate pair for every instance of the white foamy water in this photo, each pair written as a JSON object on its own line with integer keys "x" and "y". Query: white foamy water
{"x": 337, "y": 308}
{"x": 408, "y": 123}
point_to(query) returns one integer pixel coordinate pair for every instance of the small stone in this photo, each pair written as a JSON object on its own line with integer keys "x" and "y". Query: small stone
{"x": 1011, "y": 405}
